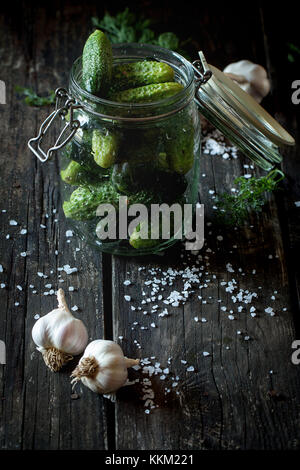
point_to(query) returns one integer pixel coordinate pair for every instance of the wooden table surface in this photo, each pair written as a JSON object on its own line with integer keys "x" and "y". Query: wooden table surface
{"x": 246, "y": 393}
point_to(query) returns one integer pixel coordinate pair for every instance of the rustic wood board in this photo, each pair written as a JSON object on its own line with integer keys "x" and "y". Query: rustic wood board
{"x": 246, "y": 396}
{"x": 36, "y": 406}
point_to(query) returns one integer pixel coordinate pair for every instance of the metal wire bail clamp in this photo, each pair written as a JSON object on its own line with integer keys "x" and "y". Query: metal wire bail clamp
{"x": 203, "y": 73}
{"x": 64, "y": 104}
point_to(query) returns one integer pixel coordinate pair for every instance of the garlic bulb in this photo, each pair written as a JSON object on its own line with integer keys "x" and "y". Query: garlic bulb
{"x": 103, "y": 367}
{"x": 251, "y": 77}
{"x": 59, "y": 335}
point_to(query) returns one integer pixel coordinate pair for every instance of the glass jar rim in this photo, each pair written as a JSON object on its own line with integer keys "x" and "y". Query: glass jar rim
{"x": 145, "y": 111}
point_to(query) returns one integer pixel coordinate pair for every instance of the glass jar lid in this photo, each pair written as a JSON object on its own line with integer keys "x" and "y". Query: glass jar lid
{"x": 239, "y": 117}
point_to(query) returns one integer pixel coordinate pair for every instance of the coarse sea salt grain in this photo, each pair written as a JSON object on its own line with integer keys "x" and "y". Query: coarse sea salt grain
{"x": 13, "y": 222}
{"x": 297, "y": 203}
{"x": 69, "y": 233}
{"x": 67, "y": 268}
{"x": 2, "y": 285}
{"x": 270, "y": 311}
{"x": 74, "y": 308}
{"x": 1, "y": 268}
{"x": 23, "y": 231}
{"x": 127, "y": 283}
{"x": 127, "y": 298}
{"x": 23, "y": 254}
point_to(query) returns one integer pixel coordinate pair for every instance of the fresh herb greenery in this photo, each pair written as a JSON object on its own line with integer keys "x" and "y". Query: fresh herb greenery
{"x": 249, "y": 196}
{"x": 126, "y": 27}
{"x": 32, "y": 99}
{"x": 293, "y": 52}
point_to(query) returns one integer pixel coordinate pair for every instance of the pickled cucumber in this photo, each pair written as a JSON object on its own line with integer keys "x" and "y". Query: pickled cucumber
{"x": 181, "y": 153}
{"x": 147, "y": 93}
{"x": 139, "y": 243}
{"x": 97, "y": 62}
{"x": 104, "y": 148}
{"x": 179, "y": 144}
{"x": 76, "y": 174}
{"x": 136, "y": 74}
{"x": 84, "y": 201}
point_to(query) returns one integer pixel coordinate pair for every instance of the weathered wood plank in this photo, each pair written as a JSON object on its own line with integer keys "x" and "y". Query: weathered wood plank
{"x": 245, "y": 393}
{"x": 37, "y": 411}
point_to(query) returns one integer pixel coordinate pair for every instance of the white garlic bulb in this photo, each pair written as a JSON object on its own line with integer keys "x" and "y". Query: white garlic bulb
{"x": 59, "y": 335}
{"x": 251, "y": 77}
{"x": 103, "y": 367}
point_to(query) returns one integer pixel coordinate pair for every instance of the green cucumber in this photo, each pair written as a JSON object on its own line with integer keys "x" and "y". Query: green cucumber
{"x": 97, "y": 61}
{"x": 181, "y": 152}
{"x": 147, "y": 93}
{"x": 136, "y": 74}
{"x": 104, "y": 148}
{"x": 84, "y": 201}
{"x": 77, "y": 174}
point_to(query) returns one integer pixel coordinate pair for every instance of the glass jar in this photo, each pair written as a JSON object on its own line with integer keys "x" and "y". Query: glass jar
{"x": 122, "y": 155}
{"x": 153, "y": 155}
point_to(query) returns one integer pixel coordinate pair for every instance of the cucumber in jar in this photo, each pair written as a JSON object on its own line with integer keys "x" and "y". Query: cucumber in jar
{"x": 104, "y": 147}
{"x": 97, "y": 62}
{"x": 140, "y": 73}
{"x": 179, "y": 143}
{"x": 147, "y": 93}
{"x": 84, "y": 200}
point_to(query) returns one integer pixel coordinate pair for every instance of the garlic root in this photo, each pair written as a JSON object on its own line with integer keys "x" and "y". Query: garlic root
{"x": 87, "y": 367}
{"x": 55, "y": 359}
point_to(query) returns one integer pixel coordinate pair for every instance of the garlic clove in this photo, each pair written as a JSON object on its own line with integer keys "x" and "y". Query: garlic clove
{"x": 59, "y": 335}
{"x": 251, "y": 77}
{"x": 103, "y": 367}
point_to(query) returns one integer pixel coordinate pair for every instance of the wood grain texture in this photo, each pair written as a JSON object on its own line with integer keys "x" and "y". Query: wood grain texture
{"x": 246, "y": 393}
{"x": 37, "y": 411}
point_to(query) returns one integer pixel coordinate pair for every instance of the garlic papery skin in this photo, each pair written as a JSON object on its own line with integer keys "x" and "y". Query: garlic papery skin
{"x": 103, "y": 367}
{"x": 59, "y": 335}
{"x": 252, "y": 78}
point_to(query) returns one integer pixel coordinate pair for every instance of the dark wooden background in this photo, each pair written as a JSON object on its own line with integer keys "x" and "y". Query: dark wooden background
{"x": 232, "y": 401}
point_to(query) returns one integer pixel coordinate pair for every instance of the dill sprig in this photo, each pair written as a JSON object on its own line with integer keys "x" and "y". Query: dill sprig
{"x": 126, "y": 26}
{"x": 33, "y": 99}
{"x": 250, "y": 195}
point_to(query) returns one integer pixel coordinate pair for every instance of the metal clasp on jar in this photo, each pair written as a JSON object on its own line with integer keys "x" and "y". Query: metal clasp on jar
{"x": 64, "y": 104}
{"x": 203, "y": 73}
